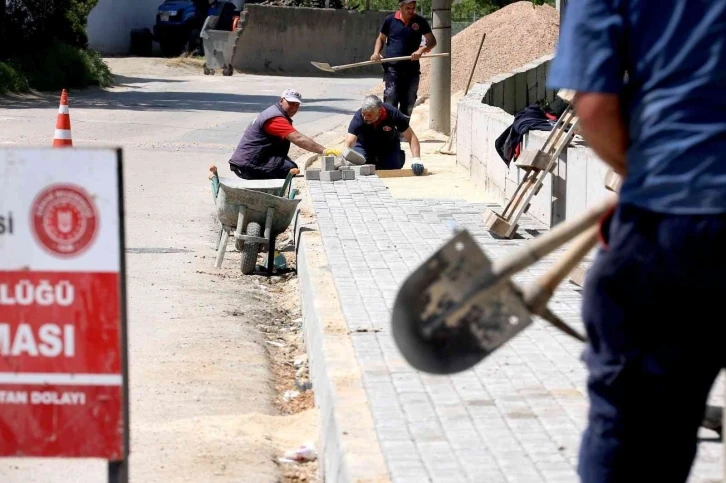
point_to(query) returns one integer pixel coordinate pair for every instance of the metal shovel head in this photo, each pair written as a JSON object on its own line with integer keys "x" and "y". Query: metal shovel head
{"x": 323, "y": 66}
{"x": 473, "y": 328}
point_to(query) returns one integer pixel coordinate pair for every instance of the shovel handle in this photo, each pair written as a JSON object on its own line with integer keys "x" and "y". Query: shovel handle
{"x": 382, "y": 61}
{"x": 538, "y": 294}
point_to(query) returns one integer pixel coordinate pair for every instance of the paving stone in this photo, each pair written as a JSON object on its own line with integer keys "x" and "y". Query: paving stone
{"x": 312, "y": 174}
{"x": 516, "y": 416}
{"x": 331, "y": 176}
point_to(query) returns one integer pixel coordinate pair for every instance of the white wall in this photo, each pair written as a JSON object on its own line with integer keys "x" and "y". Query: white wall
{"x": 577, "y": 182}
{"x": 111, "y": 21}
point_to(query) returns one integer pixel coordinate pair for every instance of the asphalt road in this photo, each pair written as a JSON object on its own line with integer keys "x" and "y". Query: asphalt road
{"x": 200, "y": 395}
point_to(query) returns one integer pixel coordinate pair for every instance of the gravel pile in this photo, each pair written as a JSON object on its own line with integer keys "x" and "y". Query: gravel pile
{"x": 516, "y": 35}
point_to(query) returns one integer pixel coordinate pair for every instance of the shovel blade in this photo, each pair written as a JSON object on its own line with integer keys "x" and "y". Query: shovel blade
{"x": 473, "y": 328}
{"x": 323, "y": 66}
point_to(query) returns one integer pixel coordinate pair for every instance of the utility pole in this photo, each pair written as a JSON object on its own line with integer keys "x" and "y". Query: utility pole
{"x": 440, "y": 114}
{"x": 561, "y": 6}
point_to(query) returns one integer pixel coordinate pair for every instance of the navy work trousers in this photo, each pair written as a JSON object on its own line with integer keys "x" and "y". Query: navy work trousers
{"x": 653, "y": 310}
{"x": 280, "y": 171}
{"x": 384, "y": 157}
{"x": 401, "y": 89}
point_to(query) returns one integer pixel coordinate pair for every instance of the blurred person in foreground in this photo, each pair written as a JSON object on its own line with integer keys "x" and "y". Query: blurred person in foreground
{"x": 652, "y": 298}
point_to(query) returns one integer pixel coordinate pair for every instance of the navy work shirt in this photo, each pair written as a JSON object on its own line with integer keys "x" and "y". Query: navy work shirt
{"x": 403, "y": 39}
{"x": 382, "y": 135}
{"x": 674, "y": 101}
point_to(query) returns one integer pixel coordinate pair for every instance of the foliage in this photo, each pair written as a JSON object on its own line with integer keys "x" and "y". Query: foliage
{"x": 34, "y": 24}
{"x": 43, "y": 45}
{"x": 12, "y": 78}
{"x": 55, "y": 67}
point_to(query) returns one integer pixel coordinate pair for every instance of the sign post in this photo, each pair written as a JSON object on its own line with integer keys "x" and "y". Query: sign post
{"x": 63, "y": 357}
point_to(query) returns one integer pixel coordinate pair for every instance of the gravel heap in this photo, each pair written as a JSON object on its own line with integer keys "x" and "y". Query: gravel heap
{"x": 516, "y": 35}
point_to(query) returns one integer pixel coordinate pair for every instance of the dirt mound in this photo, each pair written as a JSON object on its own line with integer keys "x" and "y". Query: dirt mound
{"x": 516, "y": 35}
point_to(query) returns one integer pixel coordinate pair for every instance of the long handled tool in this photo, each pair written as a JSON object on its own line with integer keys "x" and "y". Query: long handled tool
{"x": 335, "y": 68}
{"x": 458, "y": 306}
{"x": 446, "y": 148}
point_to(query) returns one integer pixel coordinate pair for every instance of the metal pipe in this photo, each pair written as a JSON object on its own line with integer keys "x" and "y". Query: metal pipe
{"x": 440, "y": 113}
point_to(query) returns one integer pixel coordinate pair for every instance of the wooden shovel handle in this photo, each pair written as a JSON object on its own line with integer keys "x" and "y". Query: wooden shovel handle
{"x": 390, "y": 59}
{"x": 540, "y": 292}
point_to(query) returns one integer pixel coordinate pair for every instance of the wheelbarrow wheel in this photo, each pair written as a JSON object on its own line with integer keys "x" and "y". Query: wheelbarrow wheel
{"x": 250, "y": 250}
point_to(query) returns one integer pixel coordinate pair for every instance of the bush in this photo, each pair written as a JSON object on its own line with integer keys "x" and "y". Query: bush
{"x": 56, "y": 67}
{"x": 12, "y": 78}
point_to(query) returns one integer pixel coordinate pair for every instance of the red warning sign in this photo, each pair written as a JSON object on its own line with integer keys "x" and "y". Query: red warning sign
{"x": 62, "y": 334}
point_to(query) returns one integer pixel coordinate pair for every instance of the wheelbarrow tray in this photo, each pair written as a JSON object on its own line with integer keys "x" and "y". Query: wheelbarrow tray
{"x": 232, "y": 196}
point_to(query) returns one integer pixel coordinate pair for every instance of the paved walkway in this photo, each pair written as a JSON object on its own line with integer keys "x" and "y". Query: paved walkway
{"x": 517, "y": 416}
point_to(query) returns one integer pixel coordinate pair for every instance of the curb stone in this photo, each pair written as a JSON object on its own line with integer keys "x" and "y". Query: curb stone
{"x": 349, "y": 448}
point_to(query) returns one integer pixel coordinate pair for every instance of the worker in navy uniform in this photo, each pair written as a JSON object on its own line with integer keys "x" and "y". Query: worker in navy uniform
{"x": 375, "y": 132}
{"x": 402, "y": 34}
{"x": 654, "y": 294}
{"x": 262, "y": 152}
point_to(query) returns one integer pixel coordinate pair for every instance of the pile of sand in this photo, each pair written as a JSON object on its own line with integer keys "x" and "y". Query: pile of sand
{"x": 516, "y": 35}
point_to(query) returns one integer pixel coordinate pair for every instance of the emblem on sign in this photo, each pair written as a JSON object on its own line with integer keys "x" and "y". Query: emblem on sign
{"x": 64, "y": 220}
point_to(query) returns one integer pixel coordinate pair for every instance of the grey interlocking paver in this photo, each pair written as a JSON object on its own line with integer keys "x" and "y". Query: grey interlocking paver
{"x": 515, "y": 417}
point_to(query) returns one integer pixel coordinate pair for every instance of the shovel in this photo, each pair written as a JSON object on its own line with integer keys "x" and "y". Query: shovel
{"x": 458, "y": 307}
{"x": 335, "y": 68}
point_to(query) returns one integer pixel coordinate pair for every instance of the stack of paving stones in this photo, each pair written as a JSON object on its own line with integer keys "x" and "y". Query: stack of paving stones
{"x": 515, "y": 417}
{"x": 346, "y": 173}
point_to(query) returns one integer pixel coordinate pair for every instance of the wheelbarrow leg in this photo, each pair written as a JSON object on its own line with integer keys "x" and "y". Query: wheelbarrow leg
{"x": 240, "y": 226}
{"x": 270, "y": 240}
{"x": 222, "y": 247}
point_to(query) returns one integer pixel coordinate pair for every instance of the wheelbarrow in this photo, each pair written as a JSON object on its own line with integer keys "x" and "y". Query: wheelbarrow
{"x": 254, "y": 212}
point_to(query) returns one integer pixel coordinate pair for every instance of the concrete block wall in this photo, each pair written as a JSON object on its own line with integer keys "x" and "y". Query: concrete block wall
{"x": 323, "y": 35}
{"x": 577, "y": 182}
{"x": 513, "y": 91}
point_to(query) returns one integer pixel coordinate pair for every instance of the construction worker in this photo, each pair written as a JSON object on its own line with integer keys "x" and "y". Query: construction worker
{"x": 262, "y": 152}
{"x": 402, "y": 34}
{"x": 653, "y": 296}
{"x": 375, "y": 132}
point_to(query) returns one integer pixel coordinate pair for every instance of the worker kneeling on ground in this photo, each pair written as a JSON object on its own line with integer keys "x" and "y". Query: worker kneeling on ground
{"x": 262, "y": 152}
{"x": 374, "y": 133}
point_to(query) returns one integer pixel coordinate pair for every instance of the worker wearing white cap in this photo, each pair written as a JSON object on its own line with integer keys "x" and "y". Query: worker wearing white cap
{"x": 262, "y": 152}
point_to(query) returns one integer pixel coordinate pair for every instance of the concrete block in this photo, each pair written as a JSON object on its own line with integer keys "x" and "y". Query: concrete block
{"x": 541, "y": 81}
{"x": 498, "y": 93}
{"x": 365, "y": 170}
{"x": 331, "y": 175}
{"x": 329, "y": 163}
{"x": 348, "y": 174}
{"x": 312, "y": 174}
{"x": 520, "y": 88}
{"x": 509, "y": 93}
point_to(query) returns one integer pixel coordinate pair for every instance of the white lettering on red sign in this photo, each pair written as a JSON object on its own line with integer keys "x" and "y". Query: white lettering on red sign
{"x": 45, "y": 398}
{"x": 50, "y": 340}
{"x": 44, "y": 294}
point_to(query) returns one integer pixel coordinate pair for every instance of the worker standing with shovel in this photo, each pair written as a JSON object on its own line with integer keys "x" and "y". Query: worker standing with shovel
{"x": 652, "y": 302}
{"x": 402, "y": 34}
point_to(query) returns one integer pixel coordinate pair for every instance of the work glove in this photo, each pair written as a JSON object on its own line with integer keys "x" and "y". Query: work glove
{"x": 417, "y": 167}
{"x": 331, "y": 152}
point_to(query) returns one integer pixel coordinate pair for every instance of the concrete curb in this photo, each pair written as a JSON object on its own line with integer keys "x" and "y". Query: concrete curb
{"x": 349, "y": 447}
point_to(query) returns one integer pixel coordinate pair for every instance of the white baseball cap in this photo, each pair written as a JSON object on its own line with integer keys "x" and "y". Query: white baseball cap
{"x": 291, "y": 95}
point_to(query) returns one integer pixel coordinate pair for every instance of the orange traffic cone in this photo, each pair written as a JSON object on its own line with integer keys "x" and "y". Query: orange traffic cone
{"x": 62, "y": 137}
